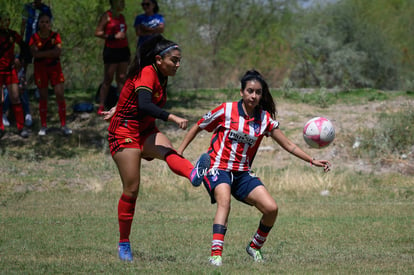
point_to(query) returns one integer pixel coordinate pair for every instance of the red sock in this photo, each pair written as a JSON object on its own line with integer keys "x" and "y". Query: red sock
{"x": 43, "y": 112}
{"x": 260, "y": 236}
{"x": 219, "y": 231}
{"x": 19, "y": 116}
{"x": 126, "y": 209}
{"x": 62, "y": 112}
{"x": 179, "y": 165}
{"x": 100, "y": 109}
{"x": 217, "y": 244}
{"x": 1, "y": 117}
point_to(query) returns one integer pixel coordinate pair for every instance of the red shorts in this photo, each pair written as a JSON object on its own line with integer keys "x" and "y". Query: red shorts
{"x": 44, "y": 73}
{"x": 7, "y": 78}
{"x": 127, "y": 135}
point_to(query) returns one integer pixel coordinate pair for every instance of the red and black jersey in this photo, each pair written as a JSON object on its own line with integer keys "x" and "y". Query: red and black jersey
{"x": 115, "y": 25}
{"x": 236, "y": 136}
{"x": 8, "y": 39}
{"x": 127, "y": 107}
{"x": 45, "y": 44}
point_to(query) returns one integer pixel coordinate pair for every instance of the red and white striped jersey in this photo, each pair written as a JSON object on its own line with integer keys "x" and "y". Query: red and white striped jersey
{"x": 236, "y": 136}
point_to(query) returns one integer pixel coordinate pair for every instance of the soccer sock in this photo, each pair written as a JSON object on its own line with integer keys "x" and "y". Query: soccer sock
{"x": 101, "y": 109}
{"x": 1, "y": 117}
{"x": 219, "y": 231}
{"x": 19, "y": 116}
{"x": 43, "y": 112}
{"x": 178, "y": 164}
{"x": 62, "y": 112}
{"x": 260, "y": 236}
{"x": 126, "y": 209}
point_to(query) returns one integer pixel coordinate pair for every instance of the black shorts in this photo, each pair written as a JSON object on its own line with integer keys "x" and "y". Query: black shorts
{"x": 116, "y": 55}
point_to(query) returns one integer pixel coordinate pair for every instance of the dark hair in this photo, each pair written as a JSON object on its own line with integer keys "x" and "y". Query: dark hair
{"x": 145, "y": 54}
{"x": 111, "y": 2}
{"x": 266, "y": 103}
{"x": 42, "y": 15}
{"x": 156, "y": 7}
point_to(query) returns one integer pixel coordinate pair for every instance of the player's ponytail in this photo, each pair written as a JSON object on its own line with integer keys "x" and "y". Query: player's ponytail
{"x": 145, "y": 54}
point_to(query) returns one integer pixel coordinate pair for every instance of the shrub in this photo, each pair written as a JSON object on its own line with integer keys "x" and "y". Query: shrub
{"x": 393, "y": 134}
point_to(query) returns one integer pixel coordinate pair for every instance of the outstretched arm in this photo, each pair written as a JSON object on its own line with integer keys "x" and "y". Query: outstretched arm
{"x": 292, "y": 148}
{"x": 191, "y": 134}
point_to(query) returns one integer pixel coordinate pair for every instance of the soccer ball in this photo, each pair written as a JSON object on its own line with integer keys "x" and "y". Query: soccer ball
{"x": 318, "y": 132}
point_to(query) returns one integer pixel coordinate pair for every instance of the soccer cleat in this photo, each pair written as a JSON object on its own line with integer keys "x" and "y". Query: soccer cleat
{"x": 215, "y": 260}
{"x": 1, "y": 133}
{"x": 42, "y": 131}
{"x": 24, "y": 133}
{"x": 200, "y": 170}
{"x": 255, "y": 253}
{"x": 124, "y": 251}
{"x": 66, "y": 131}
{"x": 28, "y": 120}
{"x": 6, "y": 122}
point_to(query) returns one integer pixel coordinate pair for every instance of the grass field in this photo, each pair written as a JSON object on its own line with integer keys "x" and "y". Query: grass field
{"x": 58, "y": 200}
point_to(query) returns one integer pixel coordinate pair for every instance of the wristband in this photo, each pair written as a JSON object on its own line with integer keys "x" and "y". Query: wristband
{"x": 311, "y": 161}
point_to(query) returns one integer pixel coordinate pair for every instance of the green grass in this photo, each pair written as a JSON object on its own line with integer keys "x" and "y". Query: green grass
{"x": 75, "y": 231}
{"x": 324, "y": 98}
{"x": 59, "y": 195}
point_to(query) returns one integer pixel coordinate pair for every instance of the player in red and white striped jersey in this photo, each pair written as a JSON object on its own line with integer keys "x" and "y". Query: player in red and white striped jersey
{"x": 238, "y": 129}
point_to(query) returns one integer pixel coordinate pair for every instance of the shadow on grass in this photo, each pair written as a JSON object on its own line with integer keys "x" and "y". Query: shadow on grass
{"x": 89, "y": 135}
{"x": 89, "y": 130}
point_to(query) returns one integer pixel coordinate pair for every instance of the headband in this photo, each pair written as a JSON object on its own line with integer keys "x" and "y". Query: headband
{"x": 175, "y": 46}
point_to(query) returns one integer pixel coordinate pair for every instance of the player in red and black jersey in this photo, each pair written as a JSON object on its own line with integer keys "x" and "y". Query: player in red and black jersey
{"x": 133, "y": 134}
{"x": 116, "y": 54}
{"x": 8, "y": 73}
{"x": 46, "y": 47}
{"x": 238, "y": 128}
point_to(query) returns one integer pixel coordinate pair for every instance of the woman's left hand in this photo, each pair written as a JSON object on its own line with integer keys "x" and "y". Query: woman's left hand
{"x": 322, "y": 163}
{"x": 107, "y": 115}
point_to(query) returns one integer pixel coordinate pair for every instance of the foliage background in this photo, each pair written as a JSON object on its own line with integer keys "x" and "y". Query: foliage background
{"x": 334, "y": 44}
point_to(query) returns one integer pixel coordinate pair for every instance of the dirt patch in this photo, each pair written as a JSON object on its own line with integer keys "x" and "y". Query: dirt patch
{"x": 348, "y": 120}
{"x": 90, "y": 132}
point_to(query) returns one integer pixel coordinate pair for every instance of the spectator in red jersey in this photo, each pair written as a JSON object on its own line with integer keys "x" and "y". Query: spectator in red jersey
{"x": 238, "y": 128}
{"x": 46, "y": 47}
{"x": 8, "y": 73}
{"x": 133, "y": 134}
{"x": 116, "y": 54}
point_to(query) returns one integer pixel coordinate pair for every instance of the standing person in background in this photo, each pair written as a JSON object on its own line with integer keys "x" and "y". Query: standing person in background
{"x": 8, "y": 73}
{"x": 46, "y": 47}
{"x": 150, "y": 22}
{"x": 133, "y": 134}
{"x": 29, "y": 26}
{"x": 116, "y": 54}
{"x": 239, "y": 128}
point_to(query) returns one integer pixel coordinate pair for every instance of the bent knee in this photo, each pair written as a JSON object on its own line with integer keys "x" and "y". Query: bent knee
{"x": 271, "y": 209}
